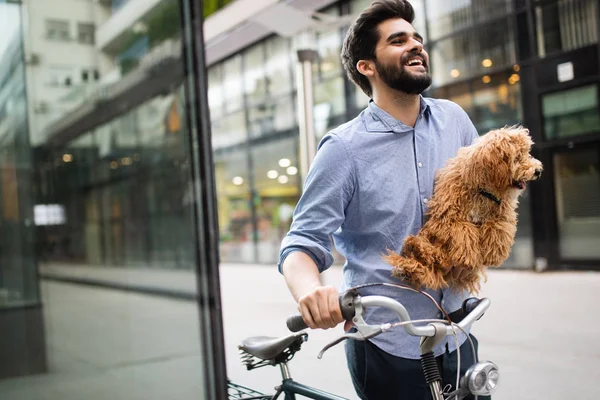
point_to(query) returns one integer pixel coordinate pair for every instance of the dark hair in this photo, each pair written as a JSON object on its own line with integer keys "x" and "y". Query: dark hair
{"x": 362, "y": 37}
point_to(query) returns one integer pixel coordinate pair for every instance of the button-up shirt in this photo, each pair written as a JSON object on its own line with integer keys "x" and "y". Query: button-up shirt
{"x": 368, "y": 188}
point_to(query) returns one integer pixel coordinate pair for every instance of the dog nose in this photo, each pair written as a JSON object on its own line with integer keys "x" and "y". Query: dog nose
{"x": 538, "y": 173}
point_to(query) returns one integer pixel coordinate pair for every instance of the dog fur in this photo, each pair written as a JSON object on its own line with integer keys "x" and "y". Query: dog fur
{"x": 472, "y": 218}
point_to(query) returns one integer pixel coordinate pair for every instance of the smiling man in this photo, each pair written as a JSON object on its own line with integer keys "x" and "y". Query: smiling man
{"x": 368, "y": 187}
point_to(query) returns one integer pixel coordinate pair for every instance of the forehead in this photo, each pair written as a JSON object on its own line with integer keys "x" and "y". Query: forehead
{"x": 394, "y": 25}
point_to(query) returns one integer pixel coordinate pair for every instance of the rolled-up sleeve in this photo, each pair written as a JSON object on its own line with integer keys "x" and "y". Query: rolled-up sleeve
{"x": 320, "y": 211}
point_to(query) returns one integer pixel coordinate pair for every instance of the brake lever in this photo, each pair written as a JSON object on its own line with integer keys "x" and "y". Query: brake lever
{"x": 364, "y": 331}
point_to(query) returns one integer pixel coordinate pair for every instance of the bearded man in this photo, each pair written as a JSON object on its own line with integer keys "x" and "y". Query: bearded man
{"x": 368, "y": 187}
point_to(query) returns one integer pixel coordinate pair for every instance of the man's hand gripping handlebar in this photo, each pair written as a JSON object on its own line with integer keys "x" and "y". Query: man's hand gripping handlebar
{"x": 352, "y": 307}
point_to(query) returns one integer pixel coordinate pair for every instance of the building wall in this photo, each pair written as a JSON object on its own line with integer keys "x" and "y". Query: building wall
{"x": 58, "y": 64}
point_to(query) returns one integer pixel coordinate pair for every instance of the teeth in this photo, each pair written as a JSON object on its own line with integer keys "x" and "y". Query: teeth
{"x": 414, "y": 62}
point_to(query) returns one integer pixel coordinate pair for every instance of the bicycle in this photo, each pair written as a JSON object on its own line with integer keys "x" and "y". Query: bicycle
{"x": 481, "y": 379}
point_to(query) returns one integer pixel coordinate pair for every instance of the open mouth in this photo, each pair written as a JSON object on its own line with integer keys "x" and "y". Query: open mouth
{"x": 519, "y": 184}
{"x": 416, "y": 63}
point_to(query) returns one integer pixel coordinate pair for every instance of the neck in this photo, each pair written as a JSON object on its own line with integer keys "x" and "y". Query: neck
{"x": 402, "y": 106}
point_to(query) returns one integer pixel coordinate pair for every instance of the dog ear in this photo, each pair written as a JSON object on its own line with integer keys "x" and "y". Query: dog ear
{"x": 491, "y": 160}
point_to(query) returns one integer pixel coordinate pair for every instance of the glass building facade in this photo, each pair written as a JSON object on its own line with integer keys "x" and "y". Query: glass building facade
{"x": 117, "y": 157}
{"x": 98, "y": 184}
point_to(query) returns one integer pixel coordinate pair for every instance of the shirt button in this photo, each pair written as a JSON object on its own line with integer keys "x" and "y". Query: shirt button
{"x": 425, "y": 200}
{"x": 420, "y": 164}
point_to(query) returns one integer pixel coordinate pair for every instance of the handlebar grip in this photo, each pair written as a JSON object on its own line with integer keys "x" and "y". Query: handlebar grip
{"x": 295, "y": 323}
{"x": 467, "y": 306}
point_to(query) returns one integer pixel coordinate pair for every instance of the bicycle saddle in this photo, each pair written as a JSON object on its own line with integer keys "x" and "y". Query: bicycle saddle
{"x": 267, "y": 348}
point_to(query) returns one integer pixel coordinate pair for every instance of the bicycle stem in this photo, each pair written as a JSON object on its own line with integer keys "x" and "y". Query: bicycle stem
{"x": 430, "y": 367}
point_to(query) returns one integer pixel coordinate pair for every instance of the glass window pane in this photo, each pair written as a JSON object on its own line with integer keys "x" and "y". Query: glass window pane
{"x": 329, "y": 46}
{"x": 473, "y": 52}
{"x": 329, "y": 102}
{"x": 232, "y": 84}
{"x": 277, "y": 186}
{"x": 234, "y": 205}
{"x": 577, "y": 185}
{"x": 254, "y": 74}
{"x": 278, "y": 66}
{"x": 97, "y": 222}
{"x": 215, "y": 91}
{"x": 566, "y": 25}
{"x": 271, "y": 116}
{"x": 450, "y": 59}
{"x": 571, "y": 112}
{"x": 229, "y": 130}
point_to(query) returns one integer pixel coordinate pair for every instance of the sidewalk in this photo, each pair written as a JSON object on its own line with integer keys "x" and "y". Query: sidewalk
{"x": 540, "y": 329}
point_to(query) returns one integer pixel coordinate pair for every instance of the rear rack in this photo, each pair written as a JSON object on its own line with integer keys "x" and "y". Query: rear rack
{"x": 239, "y": 392}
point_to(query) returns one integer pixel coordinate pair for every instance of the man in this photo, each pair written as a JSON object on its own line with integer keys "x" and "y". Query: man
{"x": 368, "y": 186}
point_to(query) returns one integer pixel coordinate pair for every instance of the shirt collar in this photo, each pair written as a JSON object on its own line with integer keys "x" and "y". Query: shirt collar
{"x": 380, "y": 121}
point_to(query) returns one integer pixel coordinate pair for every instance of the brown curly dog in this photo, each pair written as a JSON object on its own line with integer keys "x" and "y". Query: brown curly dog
{"x": 472, "y": 216}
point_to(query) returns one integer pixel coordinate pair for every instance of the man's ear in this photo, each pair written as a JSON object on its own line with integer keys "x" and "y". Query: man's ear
{"x": 366, "y": 67}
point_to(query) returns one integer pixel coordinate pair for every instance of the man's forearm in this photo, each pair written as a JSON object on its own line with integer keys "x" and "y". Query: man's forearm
{"x": 301, "y": 274}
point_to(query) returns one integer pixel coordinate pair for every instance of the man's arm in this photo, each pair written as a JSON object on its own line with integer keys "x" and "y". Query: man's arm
{"x": 306, "y": 249}
{"x": 318, "y": 304}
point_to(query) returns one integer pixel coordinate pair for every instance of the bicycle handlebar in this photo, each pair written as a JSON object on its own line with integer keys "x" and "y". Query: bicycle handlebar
{"x": 472, "y": 309}
{"x": 295, "y": 323}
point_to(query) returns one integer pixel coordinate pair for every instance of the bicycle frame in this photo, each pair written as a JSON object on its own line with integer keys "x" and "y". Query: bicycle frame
{"x": 290, "y": 388}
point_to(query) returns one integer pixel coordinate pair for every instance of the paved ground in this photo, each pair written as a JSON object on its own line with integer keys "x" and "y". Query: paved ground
{"x": 109, "y": 344}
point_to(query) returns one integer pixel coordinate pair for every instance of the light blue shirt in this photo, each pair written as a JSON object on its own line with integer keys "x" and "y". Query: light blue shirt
{"x": 368, "y": 187}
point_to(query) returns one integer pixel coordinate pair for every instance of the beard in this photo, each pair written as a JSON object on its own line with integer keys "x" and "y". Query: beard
{"x": 402, "y": 80}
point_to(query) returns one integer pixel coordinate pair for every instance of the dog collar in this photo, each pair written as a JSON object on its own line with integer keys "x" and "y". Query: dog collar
{"x": 490, "y": 196}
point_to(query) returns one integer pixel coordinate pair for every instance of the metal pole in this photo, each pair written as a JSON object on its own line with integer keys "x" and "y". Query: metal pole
{"x": 308, "y": 147}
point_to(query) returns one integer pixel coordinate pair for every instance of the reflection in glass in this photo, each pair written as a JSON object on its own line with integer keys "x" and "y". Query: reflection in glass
{"x": 96, "y": 218}
{"x": 571, "y": 112}
{"x": 577, "y": 186}
{"x": 18, "y": 283}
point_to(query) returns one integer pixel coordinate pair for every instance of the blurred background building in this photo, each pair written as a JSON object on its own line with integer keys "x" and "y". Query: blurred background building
{"x": 104, "y": 117}
{"x": 95, "y": 169}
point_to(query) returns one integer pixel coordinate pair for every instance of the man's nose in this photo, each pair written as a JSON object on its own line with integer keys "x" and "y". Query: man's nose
{"x": 416, "y": 46}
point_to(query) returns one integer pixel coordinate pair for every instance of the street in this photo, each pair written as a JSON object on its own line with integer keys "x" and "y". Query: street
{"x": 113, "y": 344}
{"x": 538, "y": 331}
